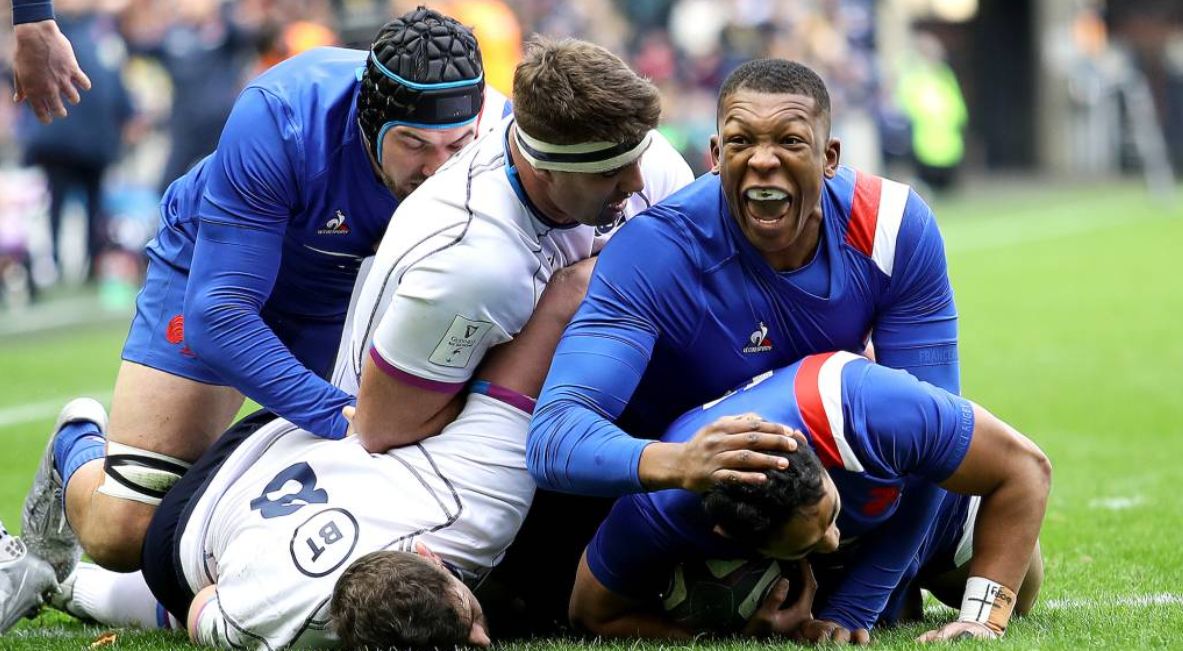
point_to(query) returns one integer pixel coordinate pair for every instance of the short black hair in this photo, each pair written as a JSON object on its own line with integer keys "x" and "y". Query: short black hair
{"x": 751, "y": 514}
{"x": 776, "y": 76}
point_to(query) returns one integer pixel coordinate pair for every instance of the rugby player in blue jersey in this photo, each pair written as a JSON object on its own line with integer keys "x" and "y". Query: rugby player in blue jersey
{"x": 779, "y": 254}
{"x": 873, "y": 517}
{"x": 251, "y": 272}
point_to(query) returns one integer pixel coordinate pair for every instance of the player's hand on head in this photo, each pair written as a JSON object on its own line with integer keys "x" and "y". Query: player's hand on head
{"x": 822, "y": 631}
{"x": 45, "y": 69}
{"x": 775, "y": 617}
{"x": 731, "y": 450}
{"x": 958, "y": 631}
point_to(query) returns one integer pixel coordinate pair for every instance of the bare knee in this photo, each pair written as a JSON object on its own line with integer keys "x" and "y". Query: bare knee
{"x": 115, "y": 533}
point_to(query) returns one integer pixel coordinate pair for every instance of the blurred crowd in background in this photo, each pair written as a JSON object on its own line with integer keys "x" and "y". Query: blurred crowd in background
{"x": 921, "y": 89}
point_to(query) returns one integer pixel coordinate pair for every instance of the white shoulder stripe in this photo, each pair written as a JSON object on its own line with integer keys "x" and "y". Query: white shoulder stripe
{"x": 829, "y": 380}
{"x": 893, "y": 197}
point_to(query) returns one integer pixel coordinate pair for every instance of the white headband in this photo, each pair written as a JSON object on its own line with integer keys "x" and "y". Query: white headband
{"x": 586, "y": 157}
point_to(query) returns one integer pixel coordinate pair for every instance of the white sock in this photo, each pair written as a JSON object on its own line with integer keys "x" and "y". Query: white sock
{"x": 115, "y": 599}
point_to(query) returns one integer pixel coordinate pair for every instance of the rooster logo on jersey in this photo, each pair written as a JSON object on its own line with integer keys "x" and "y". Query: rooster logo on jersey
{"x": 335, "y": 225}
{"x": 758, "y": 341}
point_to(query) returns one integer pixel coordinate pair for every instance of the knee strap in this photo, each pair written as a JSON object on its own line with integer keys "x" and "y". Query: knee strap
{"x": 131, "y": 473}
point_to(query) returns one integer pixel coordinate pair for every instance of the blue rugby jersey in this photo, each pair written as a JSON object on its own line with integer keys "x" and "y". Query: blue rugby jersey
{"x": 886, "y": 439}
{"x": 682, "y": 307}
{"x": 272, "y": 228}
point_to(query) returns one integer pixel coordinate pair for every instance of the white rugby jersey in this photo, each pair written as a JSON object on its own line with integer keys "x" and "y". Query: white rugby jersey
{"x": 463, "y": 263}
{"x": 289, "y": 511}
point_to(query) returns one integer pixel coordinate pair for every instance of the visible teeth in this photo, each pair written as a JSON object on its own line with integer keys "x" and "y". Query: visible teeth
{"x": 766, "y": 194}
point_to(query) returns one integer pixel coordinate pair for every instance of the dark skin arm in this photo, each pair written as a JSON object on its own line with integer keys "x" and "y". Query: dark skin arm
{"x": 597, "y": 609}
{"x": 1013, "y": 476}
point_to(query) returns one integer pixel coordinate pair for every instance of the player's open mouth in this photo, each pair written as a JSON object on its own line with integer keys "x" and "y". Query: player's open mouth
{"x": 766, "y": 205}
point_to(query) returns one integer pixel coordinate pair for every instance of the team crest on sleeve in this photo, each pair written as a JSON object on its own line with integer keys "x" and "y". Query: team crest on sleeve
{"x": 459, "y": 342}
{"x": 758, "y": 341}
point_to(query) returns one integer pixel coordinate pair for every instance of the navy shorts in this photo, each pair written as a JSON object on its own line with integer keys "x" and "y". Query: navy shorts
{"x": 160, "y": 556}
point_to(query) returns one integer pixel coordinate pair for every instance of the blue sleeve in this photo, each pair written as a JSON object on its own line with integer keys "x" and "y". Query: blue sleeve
{"x": 631, "y": 555}
{"x": 638, "y": 292}
{"x": 31, "y": 11}
{"x": 901, "y": 426}
{"x": 244, "y": 214}
{"x": 889, "y": 557}
{"x": 916, "y": 329}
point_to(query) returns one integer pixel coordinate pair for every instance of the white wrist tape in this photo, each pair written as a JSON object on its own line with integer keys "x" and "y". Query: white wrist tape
{"x": 988, "y": 603}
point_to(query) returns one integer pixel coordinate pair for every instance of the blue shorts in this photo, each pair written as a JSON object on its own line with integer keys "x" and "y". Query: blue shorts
{"x": 157, "y": 335}
{"x": 937, "y": 551}
{"x": 935, "y": 556}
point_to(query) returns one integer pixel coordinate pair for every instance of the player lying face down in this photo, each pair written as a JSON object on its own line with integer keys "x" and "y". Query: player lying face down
{"x": 896, "y": 470}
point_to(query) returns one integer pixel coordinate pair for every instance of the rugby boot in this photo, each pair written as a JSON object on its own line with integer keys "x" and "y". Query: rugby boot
{"x": 24, "y": 581}
{"x": 43, "y": 522}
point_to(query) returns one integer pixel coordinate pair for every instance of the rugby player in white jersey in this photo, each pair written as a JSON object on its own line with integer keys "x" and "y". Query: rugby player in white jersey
{"x": 466, "y": 256}
{"x": 277, "y": 538}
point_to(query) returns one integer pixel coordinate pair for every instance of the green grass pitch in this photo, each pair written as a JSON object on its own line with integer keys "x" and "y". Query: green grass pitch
{"x": 1071, "y": 301}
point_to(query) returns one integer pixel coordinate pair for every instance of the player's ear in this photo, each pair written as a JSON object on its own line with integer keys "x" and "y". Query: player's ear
{"x": 478, "y": 636}
{"x": 833, "y": 156}
{"x": 426, "y": 553}
{"x": 715, "y": 154}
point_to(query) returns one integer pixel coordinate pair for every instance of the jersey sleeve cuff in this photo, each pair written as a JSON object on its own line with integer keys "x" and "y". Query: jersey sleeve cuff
{"x": 31, "y": 12}
{"x": 960, "y": 447}
{"x": 413, "y": 380}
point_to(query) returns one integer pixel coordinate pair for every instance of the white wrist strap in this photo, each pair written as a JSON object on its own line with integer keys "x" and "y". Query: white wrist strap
{"x": 988, "y": 603}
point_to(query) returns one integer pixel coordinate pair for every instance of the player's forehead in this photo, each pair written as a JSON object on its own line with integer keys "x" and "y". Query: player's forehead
{"x": 441, "y": 137}
{"x": 750, "y": 108}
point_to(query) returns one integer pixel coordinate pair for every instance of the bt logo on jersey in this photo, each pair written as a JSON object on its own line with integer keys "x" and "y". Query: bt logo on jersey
{"x": 323, "y": 542}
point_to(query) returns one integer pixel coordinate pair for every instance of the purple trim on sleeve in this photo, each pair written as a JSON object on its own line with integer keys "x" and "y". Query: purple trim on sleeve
{"x": 31, "y": 11}
{"x": 413, "y": 380}
{"x": 510, "y": 397}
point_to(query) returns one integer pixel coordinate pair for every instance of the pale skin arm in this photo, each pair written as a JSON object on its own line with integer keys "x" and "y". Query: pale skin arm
{"x": 45, "y": 69}
{"x": 1013, "y": 476}
{"x": 391, "y": 413}
{"x": 199, "y": 602}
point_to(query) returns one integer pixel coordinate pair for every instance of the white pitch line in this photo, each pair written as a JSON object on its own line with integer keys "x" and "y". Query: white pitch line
{"x": 1129, "y": 601}
{"x": 44, "y": 410}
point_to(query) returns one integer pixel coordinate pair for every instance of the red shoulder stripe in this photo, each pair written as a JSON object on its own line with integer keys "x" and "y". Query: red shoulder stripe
{"x": 864, "y": 212}
{"x": 809, "y": 402}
